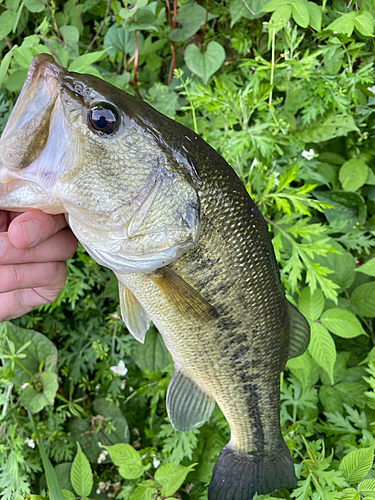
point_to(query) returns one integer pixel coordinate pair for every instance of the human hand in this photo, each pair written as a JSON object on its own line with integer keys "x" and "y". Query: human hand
{"x": 33, "y": 249}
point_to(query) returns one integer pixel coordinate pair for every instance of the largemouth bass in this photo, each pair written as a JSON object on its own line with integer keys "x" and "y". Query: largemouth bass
{"x": 152, "y": 201}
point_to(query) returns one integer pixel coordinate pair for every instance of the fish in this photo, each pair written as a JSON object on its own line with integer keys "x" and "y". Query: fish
{"x": 153, "y": 202}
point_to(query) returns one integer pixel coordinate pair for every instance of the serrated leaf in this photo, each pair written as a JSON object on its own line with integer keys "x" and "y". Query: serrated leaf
{"x": 81, "y": 474}
{"x": 322, "y": 348}
{"x": 364, "y": 25}
{"x": 356, "y": 464}
{"x": 144, "y": 491}
{"x": 328, "y": 128}
{"x": 367, "y": 487}
{"x": 353, "y": 174}
{"x": 131, "y": 470}
{"x": 342, "y": 323}
{"x": 368, "y": 268}
{"x": 311, "y": 306}
{"x": 68, "y": 495}
{"x": 350, "y": 494}
{"x": 348, "y": 212}
{"x": 363, "y": 298}
{"x": 123, "y": 455}
{"x": 170, "y": 479}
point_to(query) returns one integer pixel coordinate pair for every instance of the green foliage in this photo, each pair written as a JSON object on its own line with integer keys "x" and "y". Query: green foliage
{"x": 284, "y": 91}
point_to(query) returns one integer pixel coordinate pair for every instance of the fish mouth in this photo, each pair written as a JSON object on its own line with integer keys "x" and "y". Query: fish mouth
{"x": 26, "y": 133}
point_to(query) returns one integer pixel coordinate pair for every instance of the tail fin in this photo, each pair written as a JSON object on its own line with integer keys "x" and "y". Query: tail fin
{"x": 239, "y": 477}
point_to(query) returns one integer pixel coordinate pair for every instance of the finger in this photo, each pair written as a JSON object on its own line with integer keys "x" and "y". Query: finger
{"x": 15, "y": 304}
{"x": 59, "y": 247}
{"x": 50, "y": 275}
{"x": 32, "y": 228}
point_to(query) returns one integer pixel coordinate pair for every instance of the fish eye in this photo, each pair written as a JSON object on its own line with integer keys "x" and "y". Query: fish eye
{"x": 103, "y": 118}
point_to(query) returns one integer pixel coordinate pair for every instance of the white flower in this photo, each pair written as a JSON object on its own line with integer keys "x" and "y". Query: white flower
{"x": 120, "y": 369}
{"x": 371, "y": 89}
{"x": 102, "y": 456}
{"x": 23, "y": 386}
{"x": 155, "y": 462}
{"x": 309, "y": 155}
{"x": 30, "y": 442}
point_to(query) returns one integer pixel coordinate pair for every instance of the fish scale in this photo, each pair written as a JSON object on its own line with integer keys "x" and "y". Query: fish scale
{"x": 152, "y": 201}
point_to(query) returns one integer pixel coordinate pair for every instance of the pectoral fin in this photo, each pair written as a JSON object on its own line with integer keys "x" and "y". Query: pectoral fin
{"x": 188, "y": 406}
{"x": 299, "y": 332}
{"x": 187, "y": 300}
{"x": 133, "y": 314}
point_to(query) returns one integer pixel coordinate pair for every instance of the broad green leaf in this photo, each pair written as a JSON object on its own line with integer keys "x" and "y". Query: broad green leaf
{"x": 204, "y": 64}
{"x": 192, "y": 17}
{"x": 305, "y": 369}
{"x": 40, "y": 350}
{"x": 300, "y": 14}
{"x": 119, "y": 39}
{"x": 350, "y": 494}
{"x": 363, "y": 298}
{"x": 344, "y": 24}
{"x": 121, "y": 454}
{"x": 7, "y": 19}
{"x": 353, "y": 174}
{"x": 342, "y": 323}
{"x": 367, "y": 487}
{"x": 315, "y": 13}
{"x": 348, "y": 212}
{"x": 70, "y": 34}
{"x": 34, "y": 5}
{"x": 82, "y": 63}
{"x": 68, "y": 495}
{"x": 246, "y": 8}
{"x": 23, "y": 56}
{"x": 364, "y": 25}
{"x": 5, "y": 62}
{"x": 311, "y": 306}
{"x": 356, "y": 464}
{"x": 322, "y": 348}
{"x": 368, "y": 268}
{"x": 342, "y": 263}
{"x": 152, "y": 355}
{"x": 30, "y": 41}
{"x": 81, "y": 474}
{"x": 131, "y": 470}
{"x": 328, "y": 128}
{"x": 280, "y": 17}
{"x": 43, "y": 394}
{"x": 111, "y": 412}
{"x": 171, "y": 479}
{"x": 144, "y": 491}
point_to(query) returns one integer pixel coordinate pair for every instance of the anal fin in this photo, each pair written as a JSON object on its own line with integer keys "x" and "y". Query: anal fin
{"x": 299, "y": 332}
{"x": 187, "y": 300}
{"x": 133, "y": 314}
{"x": 188, "y": 406}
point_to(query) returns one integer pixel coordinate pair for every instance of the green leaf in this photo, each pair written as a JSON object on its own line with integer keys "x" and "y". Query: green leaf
{"x": 23, "y": 56}
{"x": 364, "y": 25}
{"x": 368, "y": 268}
{"x": 36, "y": 398}
{"x": 40, "y": 350}
{"x": 322, "y": 348}
{"x": 144, "y": 491}
{"x": 192, "y": 17}
{"x": 171, "y": 479}
{"x": 342, "y": 263}
{"x": 246, "y": 8}
{"x": 342, "y": 323}
{"x": 70, "y": 34}
{"x": 356, "y": 464}
{"x": 300, "y": 14}
{"x": 349, "y": 209}
{"x": 315, "y": 13}
{"x": 333, "y": 126}
{"x": 68, "y": 495}
{"x": 311, "y": 306}
{"x": 111, "y": 412}
{"x": 127, "y": 459}
{"x": 82, "y": 63}
{"x": 34, "y": 5}
{"x": 119, "y": 39}
{"x": 350, "y": 494}
{"x": 152, "y": 355}
{"x": 204, "y": 64}
{"x": 344, "y": 24}
{"x": 367, "y": 487}
{"x": 363, "y": 298}
{"x": 81, "y": 474}
{"x": 5, "y": 61}
{"x": 7, "y": 20}
{"x": 353, "y": 174}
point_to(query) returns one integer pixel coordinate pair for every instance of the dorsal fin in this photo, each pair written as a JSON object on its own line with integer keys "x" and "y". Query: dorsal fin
{"x": 187, "y": 300}
{"x": 133, "y": 314}
{"x": 299, "y": 332}
{"x": 188, "y": 406}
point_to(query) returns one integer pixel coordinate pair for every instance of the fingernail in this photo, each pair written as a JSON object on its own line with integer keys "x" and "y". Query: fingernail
{"x": 31, "y": 231}
{"x": 2, "y": 246}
